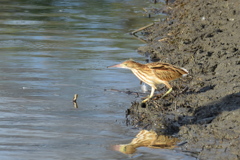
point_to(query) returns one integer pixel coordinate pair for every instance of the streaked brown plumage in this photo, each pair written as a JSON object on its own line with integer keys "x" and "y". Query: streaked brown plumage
{"x": 154, "y": 73}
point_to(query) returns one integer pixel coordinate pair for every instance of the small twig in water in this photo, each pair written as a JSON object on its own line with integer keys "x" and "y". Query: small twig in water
{"x": 75, "y": 97}
{"x": 75, "y": 100}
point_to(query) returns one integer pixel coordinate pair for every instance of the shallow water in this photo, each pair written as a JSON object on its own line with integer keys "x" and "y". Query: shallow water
{"x": 51, "y": 50}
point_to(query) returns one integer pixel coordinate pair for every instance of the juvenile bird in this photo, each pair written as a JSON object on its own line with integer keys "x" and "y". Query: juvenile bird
{"x": 154, "y": 74}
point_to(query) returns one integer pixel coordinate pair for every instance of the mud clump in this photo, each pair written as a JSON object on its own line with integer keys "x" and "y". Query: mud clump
{"x": 204, "y": 107}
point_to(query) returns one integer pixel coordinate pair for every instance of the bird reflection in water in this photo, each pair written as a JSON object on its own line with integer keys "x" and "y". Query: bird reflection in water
{"x": 147, "y": 139}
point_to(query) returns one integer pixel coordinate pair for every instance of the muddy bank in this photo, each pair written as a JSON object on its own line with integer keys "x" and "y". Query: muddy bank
{"x": 204, "y": 107}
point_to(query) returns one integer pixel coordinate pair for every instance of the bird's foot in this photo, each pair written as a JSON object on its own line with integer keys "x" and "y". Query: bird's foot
{"x": 145, "y": 100}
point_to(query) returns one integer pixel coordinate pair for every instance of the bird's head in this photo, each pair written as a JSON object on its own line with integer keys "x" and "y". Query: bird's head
{"x": 129, "y": 64}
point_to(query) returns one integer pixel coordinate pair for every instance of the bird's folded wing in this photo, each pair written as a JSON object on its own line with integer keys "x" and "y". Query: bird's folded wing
{"x": 165, "y": 71}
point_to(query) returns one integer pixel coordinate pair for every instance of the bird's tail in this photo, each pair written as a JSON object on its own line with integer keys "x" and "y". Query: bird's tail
{"x": 185, "y": 72}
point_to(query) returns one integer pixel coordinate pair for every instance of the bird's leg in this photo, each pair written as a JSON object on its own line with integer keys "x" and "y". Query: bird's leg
{"x": 150, "y": 96}
{"x": 169, "y": 90}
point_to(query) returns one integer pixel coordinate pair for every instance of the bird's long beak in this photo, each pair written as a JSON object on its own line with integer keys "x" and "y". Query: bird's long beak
{"x": 117, "y": 66}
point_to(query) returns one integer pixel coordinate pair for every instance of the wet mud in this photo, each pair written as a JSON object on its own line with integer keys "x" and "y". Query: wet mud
{"x": 204, "y": 107}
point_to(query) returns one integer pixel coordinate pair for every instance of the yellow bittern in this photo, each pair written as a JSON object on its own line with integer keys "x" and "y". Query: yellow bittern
{"x": 154, "y": 74}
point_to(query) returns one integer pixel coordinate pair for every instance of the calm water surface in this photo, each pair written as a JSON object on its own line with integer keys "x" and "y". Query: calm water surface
{"x": 51, "y": 50}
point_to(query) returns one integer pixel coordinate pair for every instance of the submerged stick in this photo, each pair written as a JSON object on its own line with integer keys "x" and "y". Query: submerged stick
{"x": 142, "y": 28}
{"x": 127, "y": 92}
{"x": 141, "y": 39}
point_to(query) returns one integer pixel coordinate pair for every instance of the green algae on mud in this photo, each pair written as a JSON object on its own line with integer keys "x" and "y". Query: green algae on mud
{"x": 204, "y": 108}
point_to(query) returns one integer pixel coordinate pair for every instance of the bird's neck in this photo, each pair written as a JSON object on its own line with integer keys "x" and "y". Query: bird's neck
{"x": 136, "y": 65}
